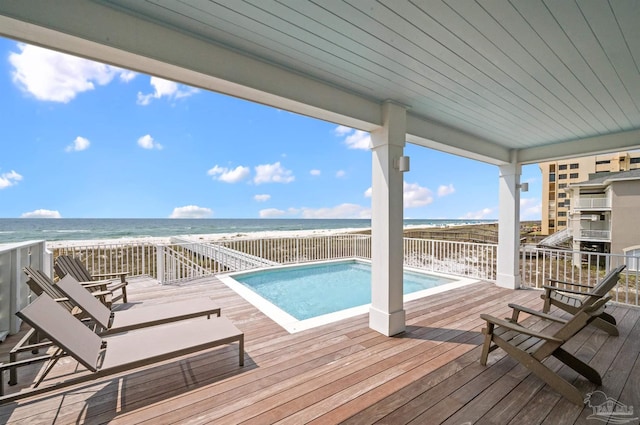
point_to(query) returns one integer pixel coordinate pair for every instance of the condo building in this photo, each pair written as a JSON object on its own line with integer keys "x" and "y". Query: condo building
{"x": 558, "y": 175}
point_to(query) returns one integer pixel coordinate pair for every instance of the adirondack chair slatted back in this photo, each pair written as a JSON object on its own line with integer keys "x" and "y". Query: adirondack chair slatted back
{"x": 40, "y": 283}
{"x": 578, "y": 322}
{"x": 66, "y": 264}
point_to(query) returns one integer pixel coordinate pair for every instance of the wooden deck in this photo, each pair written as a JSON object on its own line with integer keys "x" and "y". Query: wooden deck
{"x": 347, "y": 373}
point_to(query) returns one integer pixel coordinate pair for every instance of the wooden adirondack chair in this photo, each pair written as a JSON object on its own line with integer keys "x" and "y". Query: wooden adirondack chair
{"x": 66, "y": 264}
{"x": 530, "y": 348}
{"x": 572, "y": 301}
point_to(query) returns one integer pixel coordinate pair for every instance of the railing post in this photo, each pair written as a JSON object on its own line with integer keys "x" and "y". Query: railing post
{"x": 160, "y": 263}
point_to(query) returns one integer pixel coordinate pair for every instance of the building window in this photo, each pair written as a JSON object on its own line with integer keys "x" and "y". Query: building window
{"x": 562, "y": 214}
{"x": 562, "y": 167}
{"x": 552, "y": 223}
{"x": 607, "y": 161}
{"x": 635, "y": 160}
{"x": 562, "y": 195}
{"x": 573, "y": 175}
{"x": 574, "y": 166}
{"x": 552, "y": 177}
{"x": 562, "y": 185}
{"x": 562, "y": 177}
{"x": 562, "y": 223}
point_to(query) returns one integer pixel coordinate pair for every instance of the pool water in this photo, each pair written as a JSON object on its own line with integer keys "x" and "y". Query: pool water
{"x": 309, "y": 291}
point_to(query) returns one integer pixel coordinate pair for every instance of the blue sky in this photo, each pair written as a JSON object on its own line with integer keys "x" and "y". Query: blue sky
{"x": 86, "y": 140}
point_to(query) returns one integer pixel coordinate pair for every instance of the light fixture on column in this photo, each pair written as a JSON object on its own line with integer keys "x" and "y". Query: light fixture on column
{"x": 524, "y": 187}
{"x": 403, "y": 164}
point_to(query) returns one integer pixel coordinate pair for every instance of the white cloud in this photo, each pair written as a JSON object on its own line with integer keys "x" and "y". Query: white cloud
{"x": 262, "y": 198}
{"x": 58, "y": 77}
{"x": 340, "y": 174}
{"x": 414, "y": 195}
{"x": 271, "y": 213}
{"x": 41, "y": 214}
{"x": 229, "y": 176}
{"x": 165, "y": 88}
{"x": 530, "y": 208}
{"x": 9, "y": 179}
{"x": 127, "y": 76}
{"x": 147, "y": 142}
{"x": 478, "y": 215}
{"x": 446, "y": 190}
{"x": 79, "y": 144}
{"x": 339, "y": 211}
{"x": 355, "y": 139}
{"x": 272, "y": 173}
{"x": 191, "y": 211}
{"x": 341, "y": 130}
{"x": 315, "y": 172}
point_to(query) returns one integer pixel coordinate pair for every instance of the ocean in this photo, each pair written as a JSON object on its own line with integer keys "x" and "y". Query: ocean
{"x": 26, "y": 229}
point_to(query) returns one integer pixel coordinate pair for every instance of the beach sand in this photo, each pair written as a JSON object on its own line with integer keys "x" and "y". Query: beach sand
{"x": 410, "y": 231}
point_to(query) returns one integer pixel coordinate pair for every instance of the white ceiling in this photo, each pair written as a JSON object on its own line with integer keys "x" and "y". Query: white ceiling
{"x": 493, "y": 80}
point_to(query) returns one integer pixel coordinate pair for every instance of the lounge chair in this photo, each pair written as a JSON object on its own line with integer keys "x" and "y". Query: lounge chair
{"x": 66, "y": 264}
{"x": 110, "y": 322}
{"x": 530, "y": 348}
{"x": 118, "y": 352}
{"x": 572, "y": 301}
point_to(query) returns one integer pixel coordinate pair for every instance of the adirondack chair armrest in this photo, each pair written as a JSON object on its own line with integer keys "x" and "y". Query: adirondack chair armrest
{"x": 518, "y": 308}
{"x": 95, "y": 286}
{"x": 569, "y": 291}
{"x": 121, "y": 275}
{"x": 569, "y": 283}
{"x": 61, "y": 300}
{"x": 518, "y": 328}
{"x": 101, "y": 293}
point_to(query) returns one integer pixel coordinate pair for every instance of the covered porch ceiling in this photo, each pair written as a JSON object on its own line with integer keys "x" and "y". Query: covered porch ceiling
{"x": 498, "y": 81}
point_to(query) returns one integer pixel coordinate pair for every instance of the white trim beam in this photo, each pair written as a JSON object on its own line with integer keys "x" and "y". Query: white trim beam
{"x": 95, "y": 31}
{"x": 615, "y": 142}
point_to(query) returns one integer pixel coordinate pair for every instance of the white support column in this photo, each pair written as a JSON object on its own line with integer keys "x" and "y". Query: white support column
{"x": 387, "y": 314}
{"x": 508, "y": 274}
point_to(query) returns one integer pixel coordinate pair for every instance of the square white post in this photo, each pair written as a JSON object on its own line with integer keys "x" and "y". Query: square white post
{"x": 508, "y": 274}
{"x": 387, "y": 314}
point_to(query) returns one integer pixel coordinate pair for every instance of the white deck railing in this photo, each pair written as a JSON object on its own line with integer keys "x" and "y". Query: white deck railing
{"x": 178, "y": 262}
{"x": 538, "y": 265}
{"x": 14, "y": 293}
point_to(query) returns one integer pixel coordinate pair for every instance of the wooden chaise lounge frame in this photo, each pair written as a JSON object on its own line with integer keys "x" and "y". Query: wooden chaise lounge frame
{"x": 530, "y": 348}
{"x": 67, "y": 264}
{"x": 119, "y": 352}
{"x": 559, "y": 297}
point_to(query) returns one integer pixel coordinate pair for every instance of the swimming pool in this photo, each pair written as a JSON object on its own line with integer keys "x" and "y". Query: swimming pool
{"x": 303, "y": 296}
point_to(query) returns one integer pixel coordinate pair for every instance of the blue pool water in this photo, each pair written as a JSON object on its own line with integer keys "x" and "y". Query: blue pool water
{"x": 309, "y": 291}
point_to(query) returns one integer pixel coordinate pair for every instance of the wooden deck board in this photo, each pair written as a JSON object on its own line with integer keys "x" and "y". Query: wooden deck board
{"x": 345, "y": 372}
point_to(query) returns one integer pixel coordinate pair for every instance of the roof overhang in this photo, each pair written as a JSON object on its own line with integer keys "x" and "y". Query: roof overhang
{"x": 150, "y": 40}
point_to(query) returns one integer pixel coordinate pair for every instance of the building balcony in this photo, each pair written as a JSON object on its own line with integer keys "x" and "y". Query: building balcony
{"x": 600, "y": 204}
{"x": 593, "y": 235}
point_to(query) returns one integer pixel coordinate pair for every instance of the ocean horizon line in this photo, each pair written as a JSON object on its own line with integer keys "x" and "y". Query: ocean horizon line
{"x": 62, "y": 229}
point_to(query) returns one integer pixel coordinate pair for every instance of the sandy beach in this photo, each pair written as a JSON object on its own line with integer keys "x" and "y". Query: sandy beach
{"x": 412, "y": 229}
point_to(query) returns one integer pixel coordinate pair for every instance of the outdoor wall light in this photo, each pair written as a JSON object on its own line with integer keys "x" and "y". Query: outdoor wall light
{"x": 403, "y": 164}
{"x": 524, "y": 187}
